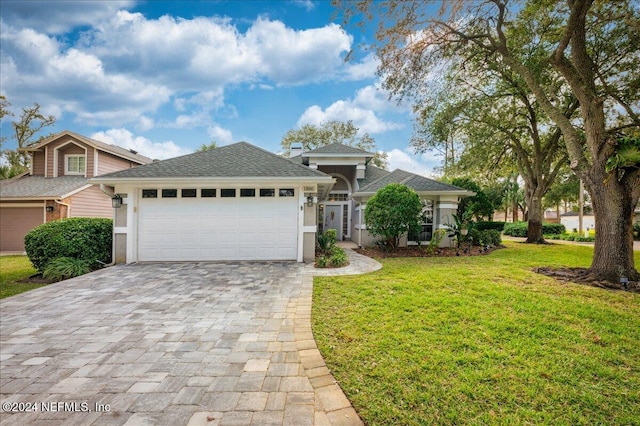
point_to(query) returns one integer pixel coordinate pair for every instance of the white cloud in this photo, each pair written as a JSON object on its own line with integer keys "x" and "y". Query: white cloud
{"x": 363, "y": 110}
{"x": 74, "y": 80}
{"x": 56, "y": 17}
{"x": 307, "y": 4}
{"x": 125, "y": 67}
{"x": 367, "y": 68}
{"x": 420, "y": 164}
{"x": 157, "y": 150}
{"x": 220, "y": 135}
{"x": 145, "y": 123}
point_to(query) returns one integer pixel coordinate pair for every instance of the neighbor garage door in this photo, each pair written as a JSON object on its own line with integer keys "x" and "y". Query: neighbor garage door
{"x": 244, "y": 225}
{"x": 15, "y": 222}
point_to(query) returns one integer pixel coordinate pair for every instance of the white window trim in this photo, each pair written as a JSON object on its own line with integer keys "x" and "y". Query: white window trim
{"x": 66, "y": 164}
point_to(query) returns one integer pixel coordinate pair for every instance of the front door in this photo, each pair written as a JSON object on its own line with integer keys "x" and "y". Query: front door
{"x": 333, "y": 219}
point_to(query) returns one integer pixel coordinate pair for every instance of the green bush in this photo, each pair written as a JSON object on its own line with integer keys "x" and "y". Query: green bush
{"x": 326, "y": 241}
{"x": 83, "y": 238}
{"x": 434, "y": 243}
{"x": 553, "y": 228}
{"x": 519, "y": 229}
{"x": 392, "y": 212}
{"x": 338, "y": 257}
{"x": 63, "y": 268}
{"x": 335, "y": 258}
{"x": 489, "y": 237}
{"x": 516, "y": 229}
{"x": 486, "y": 225}
{"x": 636, "y": 231}
{"x": 322, "y": 262}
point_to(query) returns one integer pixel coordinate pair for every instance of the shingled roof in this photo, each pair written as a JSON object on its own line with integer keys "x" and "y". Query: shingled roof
{"x": 412, "y": 180}
{"x": 237, "y": 160}
{"x": 129, "y": 154}
{"x": 338, "y": 149}
{"x": 41, "y": 187}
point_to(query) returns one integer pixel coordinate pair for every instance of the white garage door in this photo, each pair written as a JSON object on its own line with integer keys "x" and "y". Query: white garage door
{"x": 201, "y": 229}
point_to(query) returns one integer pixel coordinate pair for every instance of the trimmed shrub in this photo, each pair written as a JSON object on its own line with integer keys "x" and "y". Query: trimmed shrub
{"x": 636, "y": 231}
{"x": 489, "y": 237}
{"x": 83, "y": 238}
{"x": 516, "y": 229}
{"x": 553, "y": 228}
{"x": 484, "y": 225}
{"x": 63, "y": 268}
{"x": 519, "y": 229}
{"x": 392, "y": 212}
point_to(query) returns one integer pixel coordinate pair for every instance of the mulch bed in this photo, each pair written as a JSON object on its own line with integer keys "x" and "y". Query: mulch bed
{"x": 581, "y": 276}
{"x": 415, "y": 251}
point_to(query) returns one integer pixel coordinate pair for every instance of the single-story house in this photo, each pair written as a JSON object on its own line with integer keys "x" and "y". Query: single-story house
{"x": 240, "y": 202}
{"x": 57, "y": 185}
{"x": 571, "y": 220}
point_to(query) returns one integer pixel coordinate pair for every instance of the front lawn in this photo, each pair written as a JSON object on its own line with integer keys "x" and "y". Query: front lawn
{"x": 482, "y": 340}
{"x": 12, "y": 270}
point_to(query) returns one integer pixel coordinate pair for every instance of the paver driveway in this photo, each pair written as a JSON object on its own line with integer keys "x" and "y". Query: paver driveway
{"x": 183, "y": 343}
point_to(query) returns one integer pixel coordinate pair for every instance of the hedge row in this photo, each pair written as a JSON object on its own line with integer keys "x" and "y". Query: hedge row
{"x": 83, "y": 238}
{"x": 488, "y": 225}
{"x": 519, "y": 229}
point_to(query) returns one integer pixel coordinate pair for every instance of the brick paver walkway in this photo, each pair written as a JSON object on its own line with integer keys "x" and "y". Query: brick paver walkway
{"x": 174, "y": 344}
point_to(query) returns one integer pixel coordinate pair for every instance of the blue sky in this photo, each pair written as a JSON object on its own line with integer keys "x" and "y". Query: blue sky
{"x": 164, "y": 77}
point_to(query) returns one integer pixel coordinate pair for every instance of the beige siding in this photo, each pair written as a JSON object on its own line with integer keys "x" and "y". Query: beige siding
{"x": 91, "y": 202}
{"x": 67, "y": 148}
{"x": 108, "y": 163}
{"x": 73, "y": 149}
{"x": 38, "y": 163}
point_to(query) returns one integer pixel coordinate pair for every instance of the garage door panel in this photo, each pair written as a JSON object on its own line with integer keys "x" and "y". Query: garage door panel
{"x": 218, "y": 229}
{"x": 15, "y": 223}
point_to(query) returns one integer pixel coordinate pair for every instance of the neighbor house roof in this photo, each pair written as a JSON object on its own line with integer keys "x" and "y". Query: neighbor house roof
{"x": 412, "y": 180}
{"x": 119, "y": 151}
{"x": 237, "y": 160}
{"x": 40, "y": 187}
{"x": 338, "y": 149}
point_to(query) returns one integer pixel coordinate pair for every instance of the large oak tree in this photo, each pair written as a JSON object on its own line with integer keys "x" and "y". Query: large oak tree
{"x": 593, "y": 46}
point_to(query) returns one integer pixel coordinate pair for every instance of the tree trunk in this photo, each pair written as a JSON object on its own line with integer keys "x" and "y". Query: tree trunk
{"x": 613, "y": 208}
{"x": 514, "y": 210}
{"x": 535, "y": 215}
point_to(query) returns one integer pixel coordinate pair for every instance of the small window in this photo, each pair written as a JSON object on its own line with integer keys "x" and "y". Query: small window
{"x": 247, "y": 192}
{"x": 169, "y": 193}
{"x": 287, "y": 192}
{"x": 149, "y": 193}
{"x": 269, "y": 192}
{"x": 189, "y": 193}
{"x": 227, "y": 193}
{"x": 208, "y": 193}
{"x": 75, "y": 164}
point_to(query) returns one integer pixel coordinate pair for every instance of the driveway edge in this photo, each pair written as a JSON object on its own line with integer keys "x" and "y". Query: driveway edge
{"x": 332, "y": 407}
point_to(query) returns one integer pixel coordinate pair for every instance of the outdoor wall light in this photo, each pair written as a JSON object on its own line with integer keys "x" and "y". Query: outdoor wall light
{"x": 310, "y": 201}
{"x": 116, "y": 201}
{"x": 49, "y": 209}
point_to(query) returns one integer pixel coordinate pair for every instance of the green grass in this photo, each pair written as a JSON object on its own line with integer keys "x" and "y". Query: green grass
{"x": 12, "y": 270}
{"x": 482, "y": 340}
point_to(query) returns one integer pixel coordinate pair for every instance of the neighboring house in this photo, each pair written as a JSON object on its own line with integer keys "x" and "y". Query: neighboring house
{"x": 240, "y": 202}
{"x": 571, "y": 221}
{"x": 57, "y": 185}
